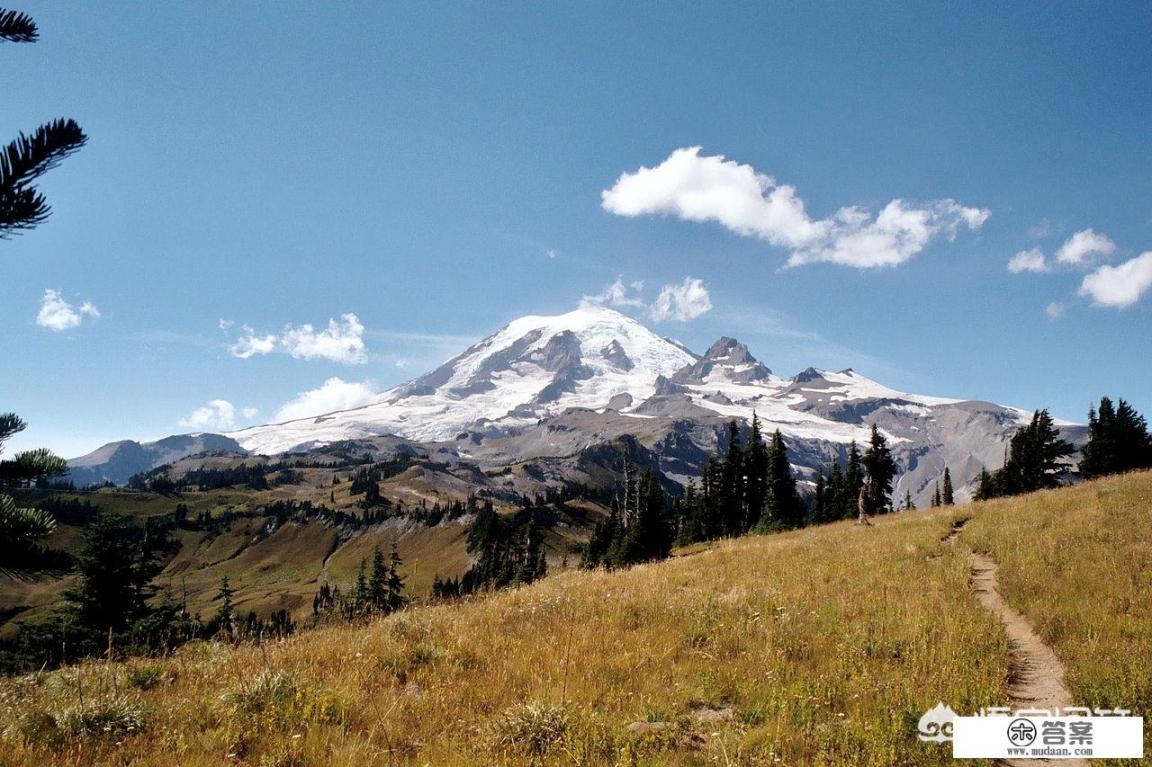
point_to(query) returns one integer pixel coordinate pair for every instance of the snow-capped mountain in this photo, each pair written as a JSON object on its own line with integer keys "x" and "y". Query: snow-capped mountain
{"x": 532, "y": 368}
{"x": 554, "y": 388}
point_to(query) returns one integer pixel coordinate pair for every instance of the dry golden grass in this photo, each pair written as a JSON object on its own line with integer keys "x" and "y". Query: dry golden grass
{"x": 1078, "y": 563}
{"x": 822, "y": 646}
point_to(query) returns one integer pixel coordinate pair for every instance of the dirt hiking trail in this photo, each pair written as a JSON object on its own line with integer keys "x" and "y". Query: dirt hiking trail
{"x": 1036, "y": 675}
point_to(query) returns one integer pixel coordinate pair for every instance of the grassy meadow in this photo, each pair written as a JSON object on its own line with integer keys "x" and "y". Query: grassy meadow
{"x": 1078, "y": 563}
{"x": 816, "y": 647}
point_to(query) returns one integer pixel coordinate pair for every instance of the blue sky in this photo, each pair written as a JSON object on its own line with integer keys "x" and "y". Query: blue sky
{"x": 436, "y": 170}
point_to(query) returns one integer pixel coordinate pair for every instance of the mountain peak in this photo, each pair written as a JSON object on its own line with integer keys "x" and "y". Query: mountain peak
{"x": 727, "y": 360}
{"x": 807, "y": 375}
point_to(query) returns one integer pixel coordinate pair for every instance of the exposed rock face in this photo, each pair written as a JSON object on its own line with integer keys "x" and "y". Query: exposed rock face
{"x": 615, "y": 354}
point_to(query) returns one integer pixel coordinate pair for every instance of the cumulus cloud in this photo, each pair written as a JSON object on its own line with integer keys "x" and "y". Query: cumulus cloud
{"x": 1119, "y": 286}
{"x": 335, "y": 394}
{"x": 1083, "y": 246}
{"x": 752, "y": 204}
{"x": 57, "y": 315}
{"x": 1054, "y": 310}
{"x": 684, "y": 301}
{"x": 341, "y": 341}
{"x": 217, "y": 415}
{"x": 1028, "y": 261}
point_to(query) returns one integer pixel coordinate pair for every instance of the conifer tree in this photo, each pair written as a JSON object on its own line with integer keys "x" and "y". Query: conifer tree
{"x": 533, "y": 565}
{"x": 360, "y": 590}
{"x": 881, "y": 469}
{"x": 606, "y": 531}
{"x": 985, "y": 486}
{"x": 783, "y": 507}
{"x": 908, "y": 504}
{"x": 649, "y": 537}
{"x": 853, "y": 481}
{"x": 1118, "y": 441}
{"x": 756, "y": 474}
{"x": 116, "y": 565}
{"x": 946, "y": 495}
{"x": 689, "y": 528}
{"x": 837, "y": 493}
{"x": 818, "y": 511}
{"x": 732, "y": 510}
{"x": 936, "y": 496}
{"x": 226, "y": 612}
{"x": 378, "y": 581}
{"x": 1036, "y": 456}
{"x": 394, "y": 598}
{"x": 711, "y": 520}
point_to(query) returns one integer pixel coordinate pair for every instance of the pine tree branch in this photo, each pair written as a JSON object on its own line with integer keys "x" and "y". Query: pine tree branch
{"x": 31, "y": 465}
{"x": 17, "y": 27}
{"x": 22, "y": 162}
{"x": 10, "y": 424}
{"x": 23, "y": 526}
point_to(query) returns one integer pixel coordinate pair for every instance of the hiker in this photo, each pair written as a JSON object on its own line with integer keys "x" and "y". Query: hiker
{"x": 862, "y": 506}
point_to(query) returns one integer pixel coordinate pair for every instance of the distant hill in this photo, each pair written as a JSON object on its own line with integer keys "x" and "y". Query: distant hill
{"x": 117, "y": 461}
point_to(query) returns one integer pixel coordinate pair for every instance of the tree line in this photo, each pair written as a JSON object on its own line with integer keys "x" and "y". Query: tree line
{"x": 1037, "y": 458}
{"x": 376, "y": 591}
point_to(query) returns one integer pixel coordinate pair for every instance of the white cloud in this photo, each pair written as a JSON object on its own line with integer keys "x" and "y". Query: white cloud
{"x": 1083, "y": 245}
{"x": 335, "y": 394}
{"x": 683, "y": 302}
{"x": 1054, "y": 310}
{"x": 341, "y": 341}
{"x": 1122, "y": 285}
{"x": 249, "y": 413}
{"x": 752, "y": 204}
{"x": 1028, "y": 261}
{"x": 217, "y": 415}
{"x": 57, "y": 315}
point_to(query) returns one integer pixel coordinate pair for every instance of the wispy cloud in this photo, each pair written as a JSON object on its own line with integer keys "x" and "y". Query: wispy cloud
{"x": 752, "y": 204}
{"x": 682, "y": 301}
{"x": 1028, "y": 261}
{"x": 341, "y": 341}
{"x": 57, "y": 314}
